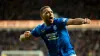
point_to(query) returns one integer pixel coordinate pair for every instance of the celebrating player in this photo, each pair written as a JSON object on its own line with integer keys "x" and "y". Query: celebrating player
{"x": 54, "y": 32}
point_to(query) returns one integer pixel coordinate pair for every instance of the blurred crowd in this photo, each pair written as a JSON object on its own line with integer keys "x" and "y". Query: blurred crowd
{"x": 29, "y": 9}
{"x": 86, "y": 42}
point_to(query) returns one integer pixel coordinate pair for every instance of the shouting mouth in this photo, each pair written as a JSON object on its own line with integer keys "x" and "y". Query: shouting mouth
{"x": 50, "y": 17}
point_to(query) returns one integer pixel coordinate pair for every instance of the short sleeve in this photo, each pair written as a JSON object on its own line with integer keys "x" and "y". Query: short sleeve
{"x": 62, "y": 22}
{"x": 35, "y": 31}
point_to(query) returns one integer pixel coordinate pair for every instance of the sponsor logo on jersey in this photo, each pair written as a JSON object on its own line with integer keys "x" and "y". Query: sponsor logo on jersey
{"x": 52, "y": 36}
{"x": 55, "y": 27}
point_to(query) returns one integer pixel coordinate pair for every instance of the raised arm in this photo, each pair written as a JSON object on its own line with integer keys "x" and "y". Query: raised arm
{"x": 78, "y": 21}
{"x": 27, "y": 34}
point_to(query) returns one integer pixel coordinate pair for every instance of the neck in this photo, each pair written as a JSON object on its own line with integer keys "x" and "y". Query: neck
{"x": 48, "y": 24}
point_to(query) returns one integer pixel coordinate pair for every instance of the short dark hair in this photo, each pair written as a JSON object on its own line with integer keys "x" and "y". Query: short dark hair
{"x": 43, "y": 8}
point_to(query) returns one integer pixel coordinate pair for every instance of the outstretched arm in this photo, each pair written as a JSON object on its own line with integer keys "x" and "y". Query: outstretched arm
{"x": 78, "y": 21}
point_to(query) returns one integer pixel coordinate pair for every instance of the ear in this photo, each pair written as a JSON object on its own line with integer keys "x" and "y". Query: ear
{"x": 41, "y": 16}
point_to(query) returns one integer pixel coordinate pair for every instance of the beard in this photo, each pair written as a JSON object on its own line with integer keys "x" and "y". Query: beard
{"x": 49, "y": 20}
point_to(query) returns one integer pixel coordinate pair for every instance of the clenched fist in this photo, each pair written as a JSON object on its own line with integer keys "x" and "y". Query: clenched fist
{"x": 25, "y": 36}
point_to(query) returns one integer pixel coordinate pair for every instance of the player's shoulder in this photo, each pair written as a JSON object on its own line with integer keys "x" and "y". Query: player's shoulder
{"x": 56, "y": 19}
{"x": 60, "y": 18}
{"x": 40, "y": 26}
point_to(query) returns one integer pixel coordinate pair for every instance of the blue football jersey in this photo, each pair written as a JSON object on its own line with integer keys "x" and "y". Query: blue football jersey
{"x": 56, "y": 37}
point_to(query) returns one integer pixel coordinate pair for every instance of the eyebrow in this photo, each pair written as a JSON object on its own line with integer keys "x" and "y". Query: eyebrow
{"x": 48, "y": 11}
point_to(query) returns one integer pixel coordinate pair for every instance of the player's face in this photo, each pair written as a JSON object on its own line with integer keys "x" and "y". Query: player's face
{"x": 47, "y": 15}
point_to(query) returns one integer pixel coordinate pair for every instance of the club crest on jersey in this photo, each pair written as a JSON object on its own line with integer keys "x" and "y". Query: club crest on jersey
{"x": 55, "y": 27}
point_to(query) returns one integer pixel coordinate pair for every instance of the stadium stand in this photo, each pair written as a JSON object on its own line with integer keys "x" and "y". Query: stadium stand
{"x": 29, "y": 9}
{"x": 86, "y": 42}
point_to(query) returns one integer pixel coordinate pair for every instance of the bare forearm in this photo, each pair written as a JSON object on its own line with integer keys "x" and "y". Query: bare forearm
{"x": 78, "y": 21}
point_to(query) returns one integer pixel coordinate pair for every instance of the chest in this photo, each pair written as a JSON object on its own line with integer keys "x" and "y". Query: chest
{"x": 49, "y": 29}
{"x": 49, "y": 32}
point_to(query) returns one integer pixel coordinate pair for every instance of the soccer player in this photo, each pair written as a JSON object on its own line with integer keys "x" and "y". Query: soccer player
{"x": 54, "y": 32}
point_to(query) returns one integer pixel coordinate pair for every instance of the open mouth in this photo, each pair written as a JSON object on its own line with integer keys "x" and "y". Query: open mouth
{"x": 50, "y": 17}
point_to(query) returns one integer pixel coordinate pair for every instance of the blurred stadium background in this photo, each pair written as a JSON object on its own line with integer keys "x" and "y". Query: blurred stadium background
{"x": 17, "y": 16}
